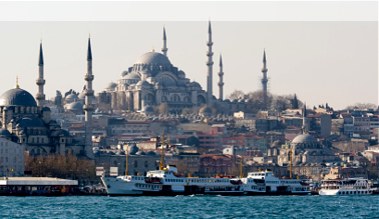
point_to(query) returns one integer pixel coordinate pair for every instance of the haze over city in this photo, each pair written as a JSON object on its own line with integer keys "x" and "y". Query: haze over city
{"x": 320, "y": 61}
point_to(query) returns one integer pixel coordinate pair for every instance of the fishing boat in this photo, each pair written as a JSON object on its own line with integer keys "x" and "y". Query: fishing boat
{"x": 348, "y": 186}
{"x": 265, "y": 183}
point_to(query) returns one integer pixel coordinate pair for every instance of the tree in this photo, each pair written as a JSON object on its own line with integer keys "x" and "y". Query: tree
{"x": 281, "y": 103}
{"x": 236, "y": 95}
{"x": 68, "y": 167}
{"x": 295, "y": 102}
{"x": 362, "y": 106}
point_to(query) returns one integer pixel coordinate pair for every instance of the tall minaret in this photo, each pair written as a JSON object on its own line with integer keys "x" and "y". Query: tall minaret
{"x": 88, "y": 107}
{"x": 305, "y": 125}
{"x": 40, "y": 81}
{"x": 264, "y": 80}
{"x": 210, "y": 65}
{"x": 221, "y": 82}
{"x": 164, "y": 49}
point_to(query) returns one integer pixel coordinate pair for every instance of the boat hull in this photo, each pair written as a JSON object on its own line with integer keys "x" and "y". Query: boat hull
{"x": 344, "y": 192}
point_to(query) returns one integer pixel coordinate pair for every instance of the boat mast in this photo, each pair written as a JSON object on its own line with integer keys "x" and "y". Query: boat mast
{"x": 126, "y": 160}
{"x": 161, "y": 162}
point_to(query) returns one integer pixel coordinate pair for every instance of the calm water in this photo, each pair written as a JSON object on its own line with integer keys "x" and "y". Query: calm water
{"x": 190, "y": 207}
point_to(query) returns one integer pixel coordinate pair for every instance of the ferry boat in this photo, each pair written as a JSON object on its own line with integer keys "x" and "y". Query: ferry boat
{"x": 167, "y": 182}
{"x": 265, "y": 183}
{"x": 37, "y": 186}
{"x": 348, "y": 186}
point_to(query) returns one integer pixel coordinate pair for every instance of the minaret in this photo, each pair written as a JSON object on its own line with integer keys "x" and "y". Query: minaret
{"x": 210, "y": 65}
{"x": 40, "y": 81}
{"x": 88, "y": 107}
{"x": 164, "y": 49}
{"x": 305, "y": 127}
{"x": 264, "y": 80}
{"x": 221, "y": 82}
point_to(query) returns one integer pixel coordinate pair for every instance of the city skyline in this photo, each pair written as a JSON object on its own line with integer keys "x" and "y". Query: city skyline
{"x": 332, "y": 62}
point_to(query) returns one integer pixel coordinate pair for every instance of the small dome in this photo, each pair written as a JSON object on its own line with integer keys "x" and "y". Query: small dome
{"x": 143, "y": 84}
{"x": 30, "y": 122}
{"x": 75, "y": 106}
{"x": 4, "y": 133}
{"x": 304, "y": 139}
{"x": 133, "y": 149}
{"x": 71, "y": 98}
{"x": 151, "y": 153}
{"x": 140, "y": 153}
{"x": 131, "y": 76}
{"x": 17, "y": 97}
{"x": 153, "y": 58}
{"x": 111, "y": 86}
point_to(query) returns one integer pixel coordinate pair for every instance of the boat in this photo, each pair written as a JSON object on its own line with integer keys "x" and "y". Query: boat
{"x": 347, "y": 186}
{"x": 167, "y": 182}
{"x": 265, "y": 183}
{"x": 37, "y": 186}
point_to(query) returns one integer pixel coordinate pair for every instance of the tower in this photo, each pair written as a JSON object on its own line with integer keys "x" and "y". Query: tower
{"x": 221, "y": 82}
{"x": 88, "y": 107}
{"x": 40, "y": 81}
{"x": 305, "y": 125}
{"x": 264, "y": 80}
{"x": 210, "y": 65}
{"x": 164, "y": 49}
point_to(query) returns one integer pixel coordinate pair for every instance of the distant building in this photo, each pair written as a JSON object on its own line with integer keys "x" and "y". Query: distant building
{"x": 11, "y": 156}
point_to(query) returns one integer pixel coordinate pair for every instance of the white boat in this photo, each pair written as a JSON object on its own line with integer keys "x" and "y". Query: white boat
{"x": 265, "y": 183}
{"x": 167, "y": 182}
{"x": 348, "y": 186}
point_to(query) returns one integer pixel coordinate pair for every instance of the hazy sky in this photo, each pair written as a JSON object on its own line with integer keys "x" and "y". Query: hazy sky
{"x": 321, "y": 61}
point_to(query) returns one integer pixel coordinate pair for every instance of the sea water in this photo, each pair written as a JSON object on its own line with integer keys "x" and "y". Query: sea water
{"x": 191, "y": 207}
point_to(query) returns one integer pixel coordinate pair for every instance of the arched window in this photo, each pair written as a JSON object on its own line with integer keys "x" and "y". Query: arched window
{"x": 175, "y": 98}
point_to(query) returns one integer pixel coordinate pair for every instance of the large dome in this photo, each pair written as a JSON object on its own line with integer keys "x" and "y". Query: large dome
{"x": 304, "y": 139}
{"x": 17, "y": 97}
{"x": 153, "y": 58}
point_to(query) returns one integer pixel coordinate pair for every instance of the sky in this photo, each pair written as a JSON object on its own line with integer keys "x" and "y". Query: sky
{"x": 324, "y": 53}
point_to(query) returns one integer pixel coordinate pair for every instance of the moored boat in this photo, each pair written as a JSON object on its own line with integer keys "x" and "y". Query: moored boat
{"x": 348, "y": 186}
{"x": 37, "y": 186}
{"x": 167, "y": 182}
{"x": 265, "y": 183}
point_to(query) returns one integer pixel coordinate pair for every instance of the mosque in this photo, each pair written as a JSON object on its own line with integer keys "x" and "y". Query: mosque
{"x": 28, "y": 122}
{"x": 153, "y": 80}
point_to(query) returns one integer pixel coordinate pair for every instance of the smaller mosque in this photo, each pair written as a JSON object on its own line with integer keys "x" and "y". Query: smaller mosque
{"x": 28, "y": 122}
{"x": 304, "y": 149}
{"x": 30, "y": 125}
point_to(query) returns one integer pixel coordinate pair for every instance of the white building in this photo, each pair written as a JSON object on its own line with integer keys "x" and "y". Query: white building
{"x": 11, "y": 156}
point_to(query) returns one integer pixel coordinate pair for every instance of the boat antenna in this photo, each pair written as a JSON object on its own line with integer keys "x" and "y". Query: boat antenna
{"x": 161, "y": 162}
{"x": 126, "y": 160}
